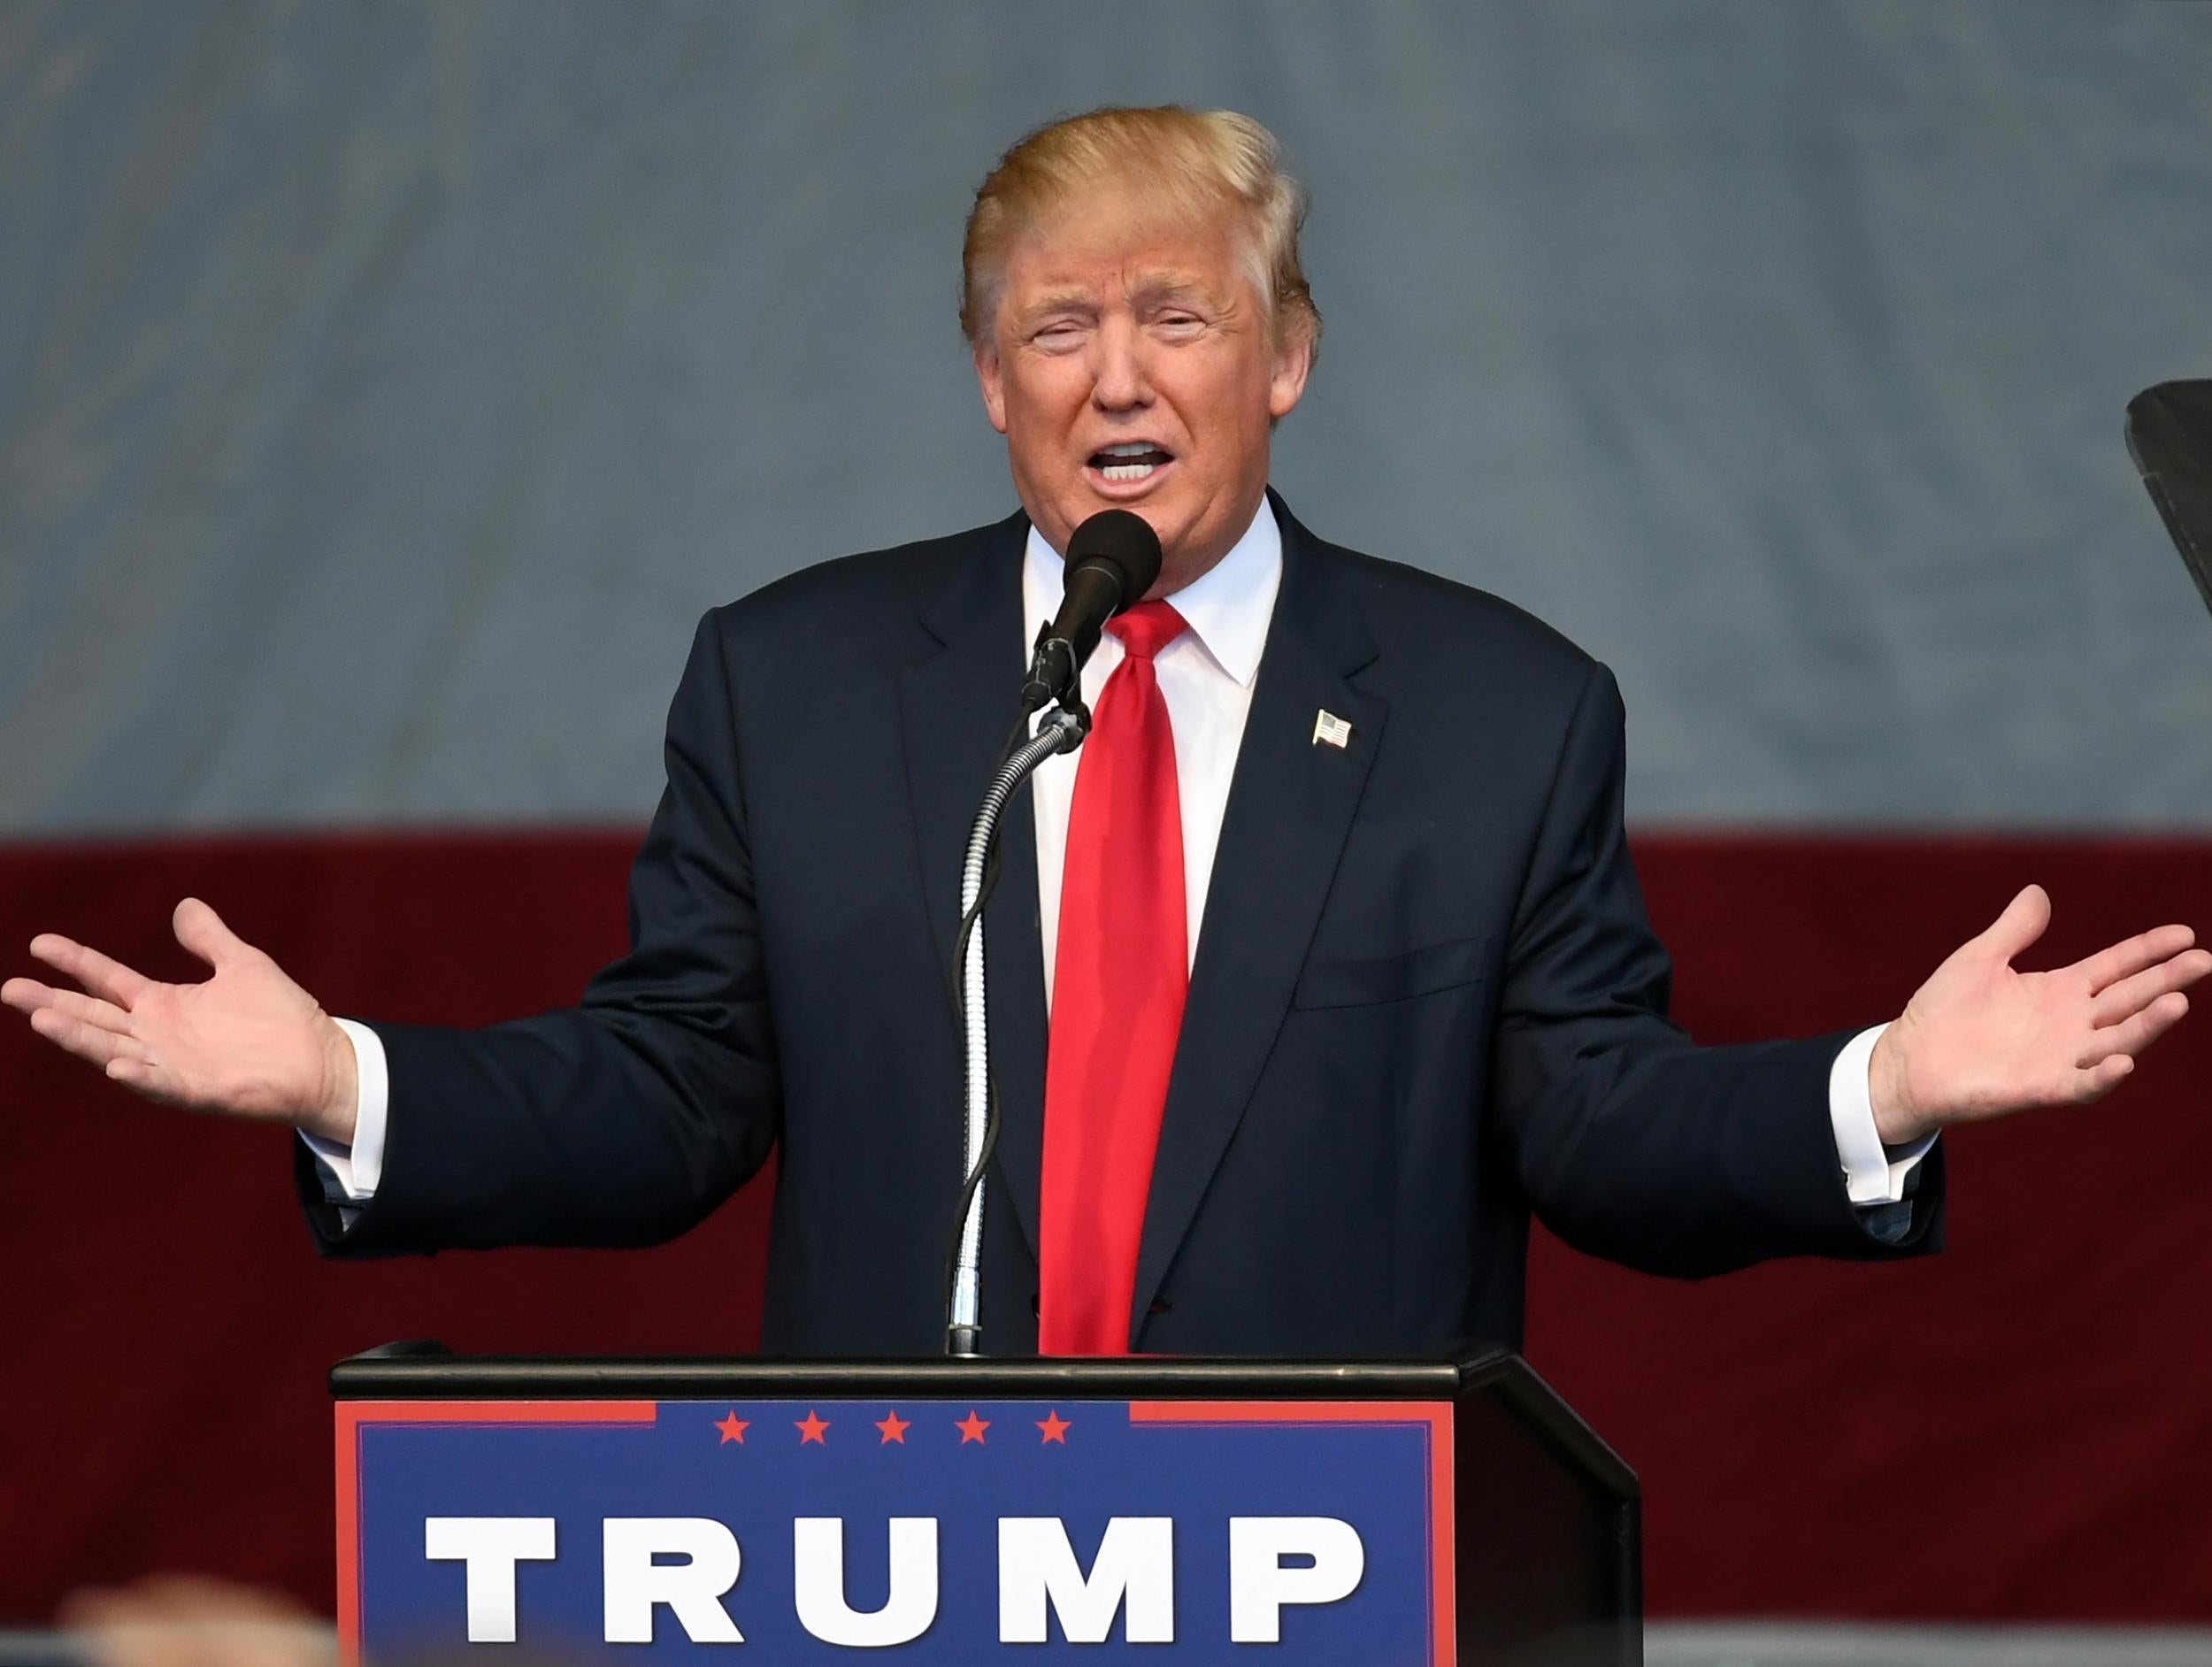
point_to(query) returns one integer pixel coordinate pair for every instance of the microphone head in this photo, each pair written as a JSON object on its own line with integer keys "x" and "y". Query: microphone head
{"x": 1125, "y": 541}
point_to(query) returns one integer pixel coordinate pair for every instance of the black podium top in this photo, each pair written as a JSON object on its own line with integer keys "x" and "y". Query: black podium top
{"x": 425, "y": 1371}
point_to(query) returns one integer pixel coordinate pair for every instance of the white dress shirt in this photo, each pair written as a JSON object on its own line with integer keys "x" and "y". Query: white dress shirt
{"x": 1206, "y": 677}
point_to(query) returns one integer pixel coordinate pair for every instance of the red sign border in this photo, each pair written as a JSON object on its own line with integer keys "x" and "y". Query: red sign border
{"x": 352, "y": 1415}
{"x": 1435, "y": 1416}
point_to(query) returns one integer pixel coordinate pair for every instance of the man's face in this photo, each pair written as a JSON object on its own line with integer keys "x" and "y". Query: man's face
{"x": 1133, "y": 369}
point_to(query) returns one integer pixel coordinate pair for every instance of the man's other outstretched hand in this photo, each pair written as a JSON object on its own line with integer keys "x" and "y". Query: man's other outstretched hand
{"x": 248, "y": 1041}
{"x": 1979, "y": 1039}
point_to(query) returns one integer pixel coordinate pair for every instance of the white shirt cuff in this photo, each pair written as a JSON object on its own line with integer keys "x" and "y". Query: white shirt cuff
{"x": 357, "y": 1168}
{"x": 1870, "y": 1176}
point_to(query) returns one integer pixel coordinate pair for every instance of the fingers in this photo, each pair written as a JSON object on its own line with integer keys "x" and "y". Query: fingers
{"x": 107, "y": 979}
{"x": 84, "y": 1039}
{"x": 2130, "y": 996}
{"x": 2123, "y": 960}
{"x": 2131, "y": 1036}
{"x": 92, "y": 1030}
{"x": 2021, "y": 924}
{"x": 2103, "y": 1077}
{"x": 201, "y": 930}
{"x": 28, "y": 996}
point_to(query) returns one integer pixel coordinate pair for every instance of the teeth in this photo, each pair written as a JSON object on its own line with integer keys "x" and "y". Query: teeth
{"x": 1127, "y": 470}
{"x": 1131, "y": 448}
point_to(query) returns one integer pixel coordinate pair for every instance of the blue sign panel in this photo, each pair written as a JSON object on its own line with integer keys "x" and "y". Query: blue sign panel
{"x": 1289, "y": 1532}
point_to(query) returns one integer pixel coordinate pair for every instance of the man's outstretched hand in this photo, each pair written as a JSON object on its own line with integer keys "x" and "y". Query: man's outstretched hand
{"x": 1979, "y": 1039}
{"x": 248, "y": 1041}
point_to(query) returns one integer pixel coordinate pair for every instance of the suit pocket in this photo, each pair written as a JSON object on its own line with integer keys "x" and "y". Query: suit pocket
{"x": 1374, "y": 980}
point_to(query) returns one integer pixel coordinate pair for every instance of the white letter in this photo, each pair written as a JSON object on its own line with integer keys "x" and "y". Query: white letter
{"x": 819, "y": 1584}
{"x": 817, "y": 1555}
{"x": 692, "y": 1589}
{"x": 491, "y": 1546}
{"x": 1135, "y": 1562}
{"x": 1259, "y": 1585}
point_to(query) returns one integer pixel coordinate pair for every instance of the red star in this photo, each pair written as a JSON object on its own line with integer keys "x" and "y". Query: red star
{"x": 971, "y": 1429}
{"x": 895, "y": 1429}
{"x": 811, "y": 1429}
{"x": 732, "y": 1429}
{"x": 1055, "y": 1428}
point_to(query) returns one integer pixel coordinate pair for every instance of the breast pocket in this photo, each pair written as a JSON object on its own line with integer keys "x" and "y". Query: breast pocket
{"x": 1371, "y": 981}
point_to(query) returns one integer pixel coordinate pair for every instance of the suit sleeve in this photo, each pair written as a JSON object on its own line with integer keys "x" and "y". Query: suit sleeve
{"x": 1630, "y": 1142}
{"x": 628, "y": 1118}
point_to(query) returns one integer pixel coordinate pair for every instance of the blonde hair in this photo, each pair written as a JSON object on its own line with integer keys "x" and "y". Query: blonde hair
{"x": 1190, "y": 164}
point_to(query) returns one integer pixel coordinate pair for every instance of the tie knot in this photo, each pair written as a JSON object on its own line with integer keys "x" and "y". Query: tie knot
{"x": 1147, "y": 628}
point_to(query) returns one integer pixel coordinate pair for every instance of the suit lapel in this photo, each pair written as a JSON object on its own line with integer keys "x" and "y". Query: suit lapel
{"x": 955, "y": 707}
{"x": 1291, "y": 804}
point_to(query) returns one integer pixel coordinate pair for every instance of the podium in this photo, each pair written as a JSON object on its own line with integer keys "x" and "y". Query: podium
{"x": 1284, "y": 1514}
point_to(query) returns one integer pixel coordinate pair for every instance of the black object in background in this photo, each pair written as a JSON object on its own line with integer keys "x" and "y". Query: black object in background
{"x": 2170, "y": 436}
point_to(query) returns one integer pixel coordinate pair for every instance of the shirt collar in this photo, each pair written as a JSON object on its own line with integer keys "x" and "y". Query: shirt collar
{"x": 1227, "y": 607}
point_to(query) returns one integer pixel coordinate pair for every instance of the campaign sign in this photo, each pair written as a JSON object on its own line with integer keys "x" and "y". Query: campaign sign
{"x": 1290, "y": 1534}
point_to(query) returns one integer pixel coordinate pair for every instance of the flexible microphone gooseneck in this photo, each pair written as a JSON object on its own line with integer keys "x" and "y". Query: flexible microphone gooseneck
{"x": 1113, "y": 558}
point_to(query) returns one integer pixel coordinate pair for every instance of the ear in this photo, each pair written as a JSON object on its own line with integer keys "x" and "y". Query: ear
{"x": 1287, "y": 382}
{"x": 988, "y": 376}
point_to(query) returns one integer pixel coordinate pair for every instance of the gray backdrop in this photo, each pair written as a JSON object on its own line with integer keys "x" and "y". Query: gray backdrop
{"x": 385, "y": 388}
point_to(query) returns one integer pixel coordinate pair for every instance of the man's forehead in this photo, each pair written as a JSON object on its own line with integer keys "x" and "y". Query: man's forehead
{"x": 1116, "y": 254}
{"x": 1051, "y": 285}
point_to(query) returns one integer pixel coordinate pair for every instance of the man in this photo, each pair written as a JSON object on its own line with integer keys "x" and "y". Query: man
{"x": 1334, "y": 917}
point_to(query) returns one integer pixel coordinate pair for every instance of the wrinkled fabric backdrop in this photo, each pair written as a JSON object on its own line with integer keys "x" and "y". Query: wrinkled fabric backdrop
{"x": 386, "y": 388}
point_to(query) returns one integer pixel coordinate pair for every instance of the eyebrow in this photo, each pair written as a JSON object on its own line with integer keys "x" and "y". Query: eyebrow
{"x": 1167, "y": 286}
{"x": 1060, "y": 301}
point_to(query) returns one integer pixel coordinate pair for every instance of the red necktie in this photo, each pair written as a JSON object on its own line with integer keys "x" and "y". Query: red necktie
{"x": 1120, "y": 975}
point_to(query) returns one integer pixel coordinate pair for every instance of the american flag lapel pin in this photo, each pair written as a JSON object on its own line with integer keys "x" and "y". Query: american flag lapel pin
{"x": 1334, "y": 730}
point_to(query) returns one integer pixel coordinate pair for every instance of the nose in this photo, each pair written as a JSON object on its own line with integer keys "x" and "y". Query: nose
{"x": 1118, "y": 378}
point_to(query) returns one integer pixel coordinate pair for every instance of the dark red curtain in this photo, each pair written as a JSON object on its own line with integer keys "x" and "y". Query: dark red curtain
{"x": 2017, "y": 1429}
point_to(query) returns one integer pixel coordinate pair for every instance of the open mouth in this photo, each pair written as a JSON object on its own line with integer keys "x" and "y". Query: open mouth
{"x": 1130, "y": 462}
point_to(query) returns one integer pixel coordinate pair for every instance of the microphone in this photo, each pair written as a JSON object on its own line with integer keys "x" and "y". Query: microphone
{"x": 1113, "y": 558}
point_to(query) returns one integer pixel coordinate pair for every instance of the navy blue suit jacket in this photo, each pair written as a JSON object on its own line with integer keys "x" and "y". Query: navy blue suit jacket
{"x": 1427, "y": 1001}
